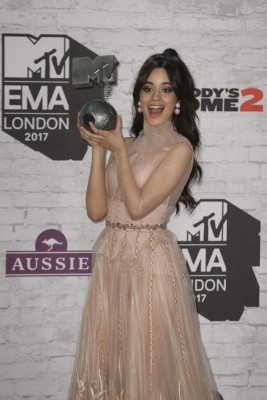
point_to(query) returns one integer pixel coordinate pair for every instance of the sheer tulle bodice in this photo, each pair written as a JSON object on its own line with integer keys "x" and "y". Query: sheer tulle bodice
{"x": 145, "y": 153}
{"x": 139, "y": 337}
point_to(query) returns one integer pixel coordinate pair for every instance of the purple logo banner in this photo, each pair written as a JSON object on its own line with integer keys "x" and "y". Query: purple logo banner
{"x": 50, "y": 258}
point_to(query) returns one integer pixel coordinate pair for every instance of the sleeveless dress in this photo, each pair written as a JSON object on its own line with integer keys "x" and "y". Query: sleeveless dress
{"x": 139, "y": 337}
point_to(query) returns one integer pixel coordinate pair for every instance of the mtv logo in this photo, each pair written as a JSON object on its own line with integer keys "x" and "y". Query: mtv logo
{"x": 193, "y": 237}
{"x": 40, "y": 102}
{"x": 221, "y": 245}
{"x": 207, "y": 223}
{"x": 35, "y": 74}
{"x": 100, "y": 70}
{"x": 39, "y": 58}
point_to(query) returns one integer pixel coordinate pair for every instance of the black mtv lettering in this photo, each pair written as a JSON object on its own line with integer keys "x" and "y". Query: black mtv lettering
{"x": 210, "y": 224}
{"x": 224, "y": 295}
{"x": 58, "y": 66}
{"x": 217, "y": 231}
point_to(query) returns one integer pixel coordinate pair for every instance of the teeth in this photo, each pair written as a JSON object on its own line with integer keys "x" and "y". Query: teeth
{"x": 156, "y": 107}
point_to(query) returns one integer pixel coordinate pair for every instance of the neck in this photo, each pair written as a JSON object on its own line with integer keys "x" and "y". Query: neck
{"x": 155, "y": 138}
{"x": 161, "y": 129}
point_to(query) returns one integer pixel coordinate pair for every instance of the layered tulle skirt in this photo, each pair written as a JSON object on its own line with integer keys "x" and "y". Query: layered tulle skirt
{"x": 139, "y": 337}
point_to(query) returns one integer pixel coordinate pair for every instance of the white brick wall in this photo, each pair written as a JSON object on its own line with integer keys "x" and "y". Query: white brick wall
{"x": 223, "y": 42}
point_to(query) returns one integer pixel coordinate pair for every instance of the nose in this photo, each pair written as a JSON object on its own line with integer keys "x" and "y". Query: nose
{"x": 156, "y": 94}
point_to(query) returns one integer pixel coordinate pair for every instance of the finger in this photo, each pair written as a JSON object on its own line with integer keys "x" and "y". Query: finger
{"x": 91, "y": 141}
{"x": 119, "y": 123}
{"x": 87, "y": 136}
{"x": 97, "y": 131}
{"x": 92, "y": 136}
{"x": 93, "y": 127}
{"x": 87, "y": 132}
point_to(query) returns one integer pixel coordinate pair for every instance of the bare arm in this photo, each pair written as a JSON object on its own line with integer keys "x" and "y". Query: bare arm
{"x": 96, "y": 196}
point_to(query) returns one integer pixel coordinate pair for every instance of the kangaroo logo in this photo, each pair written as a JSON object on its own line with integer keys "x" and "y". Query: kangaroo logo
{"x": 51, "y": 240}
{"x": 51, "y": 243}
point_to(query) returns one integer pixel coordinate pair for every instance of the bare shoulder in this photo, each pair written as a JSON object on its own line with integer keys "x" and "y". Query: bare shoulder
{"x": 182, "y": 152}
{"x": 183, "y": 148}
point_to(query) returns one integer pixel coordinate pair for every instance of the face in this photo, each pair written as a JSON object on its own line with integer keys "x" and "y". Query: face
{"x": 157, "y": 98}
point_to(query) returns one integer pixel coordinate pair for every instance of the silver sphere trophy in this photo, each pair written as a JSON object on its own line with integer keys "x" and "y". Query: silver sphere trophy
{"x": 101, "y": 113}
{"x": 102, "y": 71}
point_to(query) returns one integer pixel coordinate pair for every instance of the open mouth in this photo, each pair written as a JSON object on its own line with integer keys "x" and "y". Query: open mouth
{"x": 154, "y": 111}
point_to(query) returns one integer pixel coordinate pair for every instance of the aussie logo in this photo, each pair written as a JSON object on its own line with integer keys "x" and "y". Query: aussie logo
{"x": 220, "y": 244}
{"x": 51, "y": 242}
{"x": 49, "y": 258}
{"x": 40, "y": 96}
{"x": 230, "y": 99}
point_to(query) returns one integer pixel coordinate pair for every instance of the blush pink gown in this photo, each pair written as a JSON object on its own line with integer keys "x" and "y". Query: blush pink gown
{"x": 139, "y": 337}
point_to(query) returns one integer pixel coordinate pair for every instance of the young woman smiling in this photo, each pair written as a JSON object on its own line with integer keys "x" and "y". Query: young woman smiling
{"x": 139, "y": 337}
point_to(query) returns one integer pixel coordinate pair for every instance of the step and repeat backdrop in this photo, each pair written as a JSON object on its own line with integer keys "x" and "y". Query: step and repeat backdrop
{"x": 55, "y": 58}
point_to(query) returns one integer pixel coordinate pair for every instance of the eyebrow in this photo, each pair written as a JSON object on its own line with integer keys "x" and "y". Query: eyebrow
{"x": 163, "y": 83}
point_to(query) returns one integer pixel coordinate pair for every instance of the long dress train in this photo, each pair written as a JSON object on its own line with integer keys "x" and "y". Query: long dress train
{"x": 139, "y": 337}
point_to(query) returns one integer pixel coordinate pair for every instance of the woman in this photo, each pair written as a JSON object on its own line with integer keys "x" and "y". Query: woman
{"x": 139, "y": 337}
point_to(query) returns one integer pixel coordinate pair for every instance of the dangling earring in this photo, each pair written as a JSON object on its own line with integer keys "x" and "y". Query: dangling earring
{"x": 177, "y": 109}
{"x": 139, "y": 109}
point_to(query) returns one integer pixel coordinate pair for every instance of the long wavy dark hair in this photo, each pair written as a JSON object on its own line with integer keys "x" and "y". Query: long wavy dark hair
{"x": 183, "y": 85}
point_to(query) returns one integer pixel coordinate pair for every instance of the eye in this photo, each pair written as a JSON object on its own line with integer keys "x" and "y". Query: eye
{"x": 167, "y": 90}
{"x": 146, "y": 89}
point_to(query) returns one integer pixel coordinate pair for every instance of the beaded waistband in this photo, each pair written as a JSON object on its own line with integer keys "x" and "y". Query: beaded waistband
{"x": 148, "y": 227}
